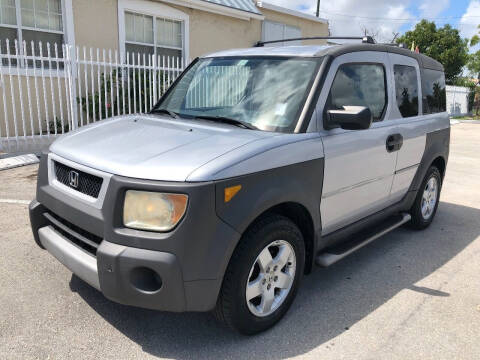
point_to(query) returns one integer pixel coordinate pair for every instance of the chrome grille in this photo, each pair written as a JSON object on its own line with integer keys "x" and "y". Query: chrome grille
{"x": 80, "y": 181}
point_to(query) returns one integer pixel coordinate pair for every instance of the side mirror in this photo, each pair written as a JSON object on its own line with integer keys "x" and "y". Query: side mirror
{"x": 350, "y": 118}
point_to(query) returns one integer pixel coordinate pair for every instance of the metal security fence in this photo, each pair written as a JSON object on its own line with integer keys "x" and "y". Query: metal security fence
{"x": 49, "y": 89}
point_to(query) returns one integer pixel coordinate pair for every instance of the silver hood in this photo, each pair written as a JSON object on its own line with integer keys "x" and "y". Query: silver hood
{"x": 152, "y": 147}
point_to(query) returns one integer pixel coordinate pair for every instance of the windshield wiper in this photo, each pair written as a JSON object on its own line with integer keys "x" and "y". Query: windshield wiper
{"x": 165, "y": 111}
{"x": 227, "y": 120}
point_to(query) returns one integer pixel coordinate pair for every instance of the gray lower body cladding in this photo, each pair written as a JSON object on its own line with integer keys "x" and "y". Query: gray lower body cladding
{"x": 181, "y": 270}
{"x": 437, "y": 145}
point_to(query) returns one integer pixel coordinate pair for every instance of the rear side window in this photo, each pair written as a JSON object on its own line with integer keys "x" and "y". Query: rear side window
{"x": 406, "y": 90}
{"x": 359, "y": 85}
{"x": 434, "y": 96}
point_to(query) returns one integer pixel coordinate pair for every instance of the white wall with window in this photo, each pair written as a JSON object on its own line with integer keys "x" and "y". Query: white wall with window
{"x": 151, "y": 28}
{"x": 272, "y": 30}
{"x": 46, "y": 21}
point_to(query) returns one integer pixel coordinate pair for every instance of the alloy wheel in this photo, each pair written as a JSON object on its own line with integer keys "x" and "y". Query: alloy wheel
{"x": 429, "y": 198}
{"x": 270, "y": 279}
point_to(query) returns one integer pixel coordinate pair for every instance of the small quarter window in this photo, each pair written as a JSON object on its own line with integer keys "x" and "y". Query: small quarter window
{"x": 406, "y": 89}
{"x": 434, "y": 96}
{"x": 359, "y": 85}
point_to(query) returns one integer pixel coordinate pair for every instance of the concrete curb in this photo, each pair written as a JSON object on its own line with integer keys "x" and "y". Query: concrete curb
{"x": 16, "y": 161}
{"x": 466, "y": 121}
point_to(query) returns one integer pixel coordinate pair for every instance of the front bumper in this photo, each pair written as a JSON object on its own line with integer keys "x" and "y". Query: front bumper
{"x": 144, "y": 278}
{"x": 127, "y": 275}
{"x": 177, "y": 271}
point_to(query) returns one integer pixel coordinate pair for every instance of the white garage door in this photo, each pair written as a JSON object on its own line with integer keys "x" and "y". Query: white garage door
{"x": 278, "y": 31}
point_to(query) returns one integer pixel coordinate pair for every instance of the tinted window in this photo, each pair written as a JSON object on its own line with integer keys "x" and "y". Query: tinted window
{"x": 433, "y": 87}
{"x": 406, "y": 90}
{"x": 359, "y": 85}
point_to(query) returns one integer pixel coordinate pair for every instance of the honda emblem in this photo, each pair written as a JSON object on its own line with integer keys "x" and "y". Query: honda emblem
{"x": 73, "y": 179}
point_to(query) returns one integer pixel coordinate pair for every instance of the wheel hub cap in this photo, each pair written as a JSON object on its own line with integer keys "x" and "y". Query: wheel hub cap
{"x": 271, "y": 278}
{"x": 429, "y": 198}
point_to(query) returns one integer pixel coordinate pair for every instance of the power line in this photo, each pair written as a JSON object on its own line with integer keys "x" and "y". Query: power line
{"x": 406, "y": 21}
{"x": 399, "y": 19}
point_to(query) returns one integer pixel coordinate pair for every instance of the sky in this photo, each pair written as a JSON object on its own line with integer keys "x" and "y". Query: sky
{"x": 385, "y": 18}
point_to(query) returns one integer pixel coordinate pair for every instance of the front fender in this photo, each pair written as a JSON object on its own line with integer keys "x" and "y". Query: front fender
{"x": 299, "y": 183}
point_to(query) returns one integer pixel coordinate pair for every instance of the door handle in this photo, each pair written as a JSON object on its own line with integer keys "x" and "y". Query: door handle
{"x": 394, "y": 142}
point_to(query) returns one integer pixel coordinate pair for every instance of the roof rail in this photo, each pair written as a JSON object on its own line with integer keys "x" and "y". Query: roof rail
{"x": 365, "y": 39}
{"x": 401, "y": 45}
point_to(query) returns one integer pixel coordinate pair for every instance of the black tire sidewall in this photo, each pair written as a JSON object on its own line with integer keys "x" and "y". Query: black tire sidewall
{"x": 275, "y": 228}
{"x": 418, "y": 221}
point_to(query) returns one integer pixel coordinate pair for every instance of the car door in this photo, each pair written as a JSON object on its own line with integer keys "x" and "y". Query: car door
{"x": 359, "y": 167}
{"x": 406, "y": 114}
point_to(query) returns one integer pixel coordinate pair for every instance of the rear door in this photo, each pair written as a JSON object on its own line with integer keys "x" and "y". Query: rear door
{"x": 410, "y": 124}
{"x": 359, "y": 168}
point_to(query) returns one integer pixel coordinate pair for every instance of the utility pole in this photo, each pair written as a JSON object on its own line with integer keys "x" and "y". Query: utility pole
{"x": 318, "y": 8}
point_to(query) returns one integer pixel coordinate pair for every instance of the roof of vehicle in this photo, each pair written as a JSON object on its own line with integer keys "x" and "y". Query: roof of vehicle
{"x": 333, "y": 50}
{"x": 292, "y": 50}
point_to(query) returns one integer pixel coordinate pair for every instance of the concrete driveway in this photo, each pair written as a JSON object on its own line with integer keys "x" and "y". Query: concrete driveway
{"x": 409, "y": 295}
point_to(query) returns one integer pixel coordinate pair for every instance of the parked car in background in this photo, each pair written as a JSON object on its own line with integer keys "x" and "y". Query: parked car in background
{"x": 255, "y": 165}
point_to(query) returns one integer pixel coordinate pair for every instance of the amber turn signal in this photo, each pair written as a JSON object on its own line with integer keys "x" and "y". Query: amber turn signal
{"x": 231, "y": 191}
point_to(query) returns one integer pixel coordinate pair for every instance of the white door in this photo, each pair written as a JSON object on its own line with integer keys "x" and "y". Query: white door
{"x": 359, "y": 169}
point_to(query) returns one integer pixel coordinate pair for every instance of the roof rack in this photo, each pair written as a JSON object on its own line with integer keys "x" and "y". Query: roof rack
{"x": 365, "y": 39}
{"x": 401, "y": 45}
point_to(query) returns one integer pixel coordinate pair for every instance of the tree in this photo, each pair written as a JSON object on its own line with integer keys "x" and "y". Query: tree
{"x": 444, "y": 44}
{"x": 473, "y": 63}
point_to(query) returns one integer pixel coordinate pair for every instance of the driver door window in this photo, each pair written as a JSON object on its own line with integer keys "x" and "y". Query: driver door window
{"x": 359, "y": 85}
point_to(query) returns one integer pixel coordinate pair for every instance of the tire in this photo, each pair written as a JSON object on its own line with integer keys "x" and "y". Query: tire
{"x": 274, "y": 233}
{"x": 421, "y": 219}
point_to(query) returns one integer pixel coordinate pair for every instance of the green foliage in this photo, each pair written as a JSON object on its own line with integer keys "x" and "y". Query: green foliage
{"x": 444, "y": 44}
{"x": 57, "y": 124}
{"x": 474, "y": 63}
{"x": 137, "y": 88}
{"x": 465, "y": 82}
{"x": 474, "y": 59}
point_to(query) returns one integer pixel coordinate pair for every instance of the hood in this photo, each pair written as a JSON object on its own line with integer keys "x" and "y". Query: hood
{"x": 152, "y": 147}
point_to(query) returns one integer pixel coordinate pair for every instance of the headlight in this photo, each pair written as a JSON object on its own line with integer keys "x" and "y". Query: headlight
{"x": 144, "y": 210}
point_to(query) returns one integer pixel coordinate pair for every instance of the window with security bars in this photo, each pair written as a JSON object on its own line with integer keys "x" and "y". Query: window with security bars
{"x": 150, "y": 35}
{"x": 37, "y": 21}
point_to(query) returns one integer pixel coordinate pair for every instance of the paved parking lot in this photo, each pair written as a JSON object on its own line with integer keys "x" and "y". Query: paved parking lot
{"x": 409, "y": 295}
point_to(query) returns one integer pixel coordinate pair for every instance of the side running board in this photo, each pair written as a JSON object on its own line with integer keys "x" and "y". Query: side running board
{"x": 331, "y": 255}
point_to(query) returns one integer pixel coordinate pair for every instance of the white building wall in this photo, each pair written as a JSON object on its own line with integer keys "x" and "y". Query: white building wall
{"x": 457, "y": 100}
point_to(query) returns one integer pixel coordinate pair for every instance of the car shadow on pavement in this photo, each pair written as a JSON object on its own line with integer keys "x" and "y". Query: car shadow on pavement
{"x": 330, "y": 300}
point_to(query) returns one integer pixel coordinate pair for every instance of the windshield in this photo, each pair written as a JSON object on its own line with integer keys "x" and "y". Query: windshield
{"x": 266, "y": 93}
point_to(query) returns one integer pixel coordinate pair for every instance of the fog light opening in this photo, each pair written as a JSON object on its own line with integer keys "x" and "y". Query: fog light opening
{"x": 145, "y": 279}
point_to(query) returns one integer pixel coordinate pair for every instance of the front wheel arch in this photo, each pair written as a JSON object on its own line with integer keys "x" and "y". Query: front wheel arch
{"x": 302, "y": 218}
